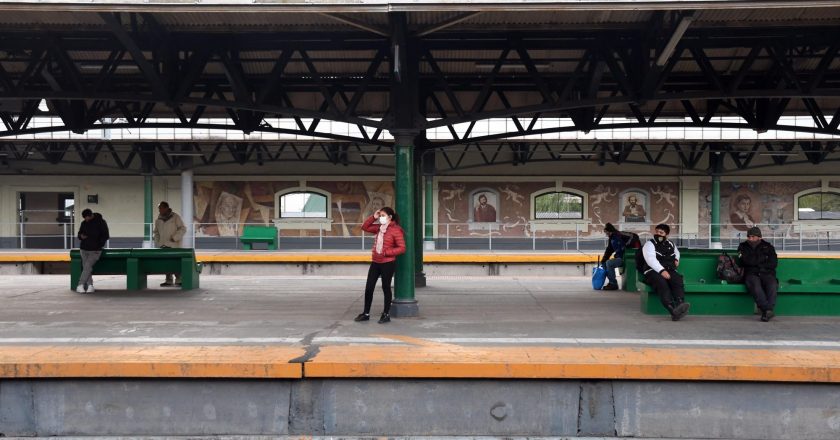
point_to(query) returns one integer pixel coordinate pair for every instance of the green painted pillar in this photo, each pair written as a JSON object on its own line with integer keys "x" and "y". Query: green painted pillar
{"x": 404, "y": 302}
{"x": 419, "y": 274}
{"x": 148, "y": 209}
{"x": 715, "y": 209}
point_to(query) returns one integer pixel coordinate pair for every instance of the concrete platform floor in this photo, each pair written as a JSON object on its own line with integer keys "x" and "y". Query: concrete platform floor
{"x": 482, "y": 311}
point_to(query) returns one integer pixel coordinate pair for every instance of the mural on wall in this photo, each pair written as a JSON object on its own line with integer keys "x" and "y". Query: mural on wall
{"x": 353, "y": 202}
{"x": 744, "y": 204}
{"x": 634, "y": 206}
{"x": 223, "y": 207}
{"x": 484, "y": 204}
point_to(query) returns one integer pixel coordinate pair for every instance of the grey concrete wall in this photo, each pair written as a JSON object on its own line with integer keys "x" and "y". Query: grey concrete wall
{"x": 608, "y": 409}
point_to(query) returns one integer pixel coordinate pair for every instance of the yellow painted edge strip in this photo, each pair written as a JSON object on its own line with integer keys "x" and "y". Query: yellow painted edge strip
{"x": 364, "y": 258}
{"x": 576, "y": 363}
{"x": 36, "y": 258}
{"x": 27, "y": 362}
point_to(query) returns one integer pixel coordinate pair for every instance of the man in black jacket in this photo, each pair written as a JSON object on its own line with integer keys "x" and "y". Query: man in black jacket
{"x": 93, "y": 234}
{"x": 658, "y": 265}
{"x": 759, "y": 260}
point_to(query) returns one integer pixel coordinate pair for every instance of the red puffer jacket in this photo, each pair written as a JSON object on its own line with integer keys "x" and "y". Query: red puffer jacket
{"x": 393, "y": 245}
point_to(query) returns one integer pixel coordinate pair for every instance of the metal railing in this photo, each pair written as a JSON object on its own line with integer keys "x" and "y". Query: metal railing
{"x": 574, "y": 237}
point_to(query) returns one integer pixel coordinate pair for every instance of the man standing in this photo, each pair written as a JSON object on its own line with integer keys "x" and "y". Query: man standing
{"x": 617, "y": 243}
{"x": 169, "y": 230}
{"x": 93, "y": 234}
{"x": 759, "y": 260}
{"x": 659, "y": 267}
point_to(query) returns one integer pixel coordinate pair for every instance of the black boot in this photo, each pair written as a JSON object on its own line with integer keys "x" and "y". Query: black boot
{"x": 767, "y": 315}
{"x": 384, "y": 318}
{"x": 680, "y": 311}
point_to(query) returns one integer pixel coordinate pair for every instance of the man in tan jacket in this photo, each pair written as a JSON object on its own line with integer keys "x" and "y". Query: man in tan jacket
{"x": 169, "y": 230}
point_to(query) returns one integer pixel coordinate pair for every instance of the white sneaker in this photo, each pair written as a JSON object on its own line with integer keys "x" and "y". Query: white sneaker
{"x": 80, "y": 289}
{"x": 90, "y": 289}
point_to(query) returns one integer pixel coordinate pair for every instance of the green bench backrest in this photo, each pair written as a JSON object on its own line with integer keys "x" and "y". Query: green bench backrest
{"x": 808, "y": 271}
{"x": 264, "y": 232}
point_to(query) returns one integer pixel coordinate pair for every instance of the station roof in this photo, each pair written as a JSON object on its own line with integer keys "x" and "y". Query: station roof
{"x": 274, "y": 16}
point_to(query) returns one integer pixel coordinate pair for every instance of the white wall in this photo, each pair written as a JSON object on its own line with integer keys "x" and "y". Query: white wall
{"x": 120, "y": 198}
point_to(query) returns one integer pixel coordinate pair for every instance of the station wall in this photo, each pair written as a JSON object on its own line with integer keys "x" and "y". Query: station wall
{"x": 683, "y": 201}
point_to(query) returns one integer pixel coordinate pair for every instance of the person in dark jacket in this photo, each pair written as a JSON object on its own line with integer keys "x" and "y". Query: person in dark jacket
{"x": 93, "y": 234}
{"x": 388, "y": 242}
{"x": 759, "y": 260}
{"x": 617, "y": 244}
{"x": 661, "y": 259}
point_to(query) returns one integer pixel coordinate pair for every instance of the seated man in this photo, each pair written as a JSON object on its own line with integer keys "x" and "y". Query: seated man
{"x": 659, "y": 268}
{"x": 618, "y": 242}
{"x": 759, "y": 260}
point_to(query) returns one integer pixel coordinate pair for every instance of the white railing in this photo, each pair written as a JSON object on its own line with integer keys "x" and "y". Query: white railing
{"x": 575, "y": 237}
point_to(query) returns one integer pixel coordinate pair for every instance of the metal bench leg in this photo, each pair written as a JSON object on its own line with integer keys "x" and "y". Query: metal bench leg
{"x": 75, "y": 272}
{"x": 272, "y": 245}
{"x": 246, "y": 246}
{"x": 189, "y": 274}
{"x": 133, "y": 277}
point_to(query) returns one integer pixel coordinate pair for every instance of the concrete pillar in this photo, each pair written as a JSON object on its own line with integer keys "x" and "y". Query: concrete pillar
{"x": 187, "y": 202}
{"x": 715, "y": 217}
{"x": 419, "y": 274}
{"x": 148, "y": 211}
{"x": 404, "y": 303}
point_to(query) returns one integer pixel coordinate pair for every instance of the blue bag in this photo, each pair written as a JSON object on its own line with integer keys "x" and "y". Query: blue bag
{"x": 599, "y": 275}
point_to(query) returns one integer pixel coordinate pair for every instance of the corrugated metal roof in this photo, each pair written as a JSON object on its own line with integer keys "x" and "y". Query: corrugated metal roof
{"x": 279, "y": 21}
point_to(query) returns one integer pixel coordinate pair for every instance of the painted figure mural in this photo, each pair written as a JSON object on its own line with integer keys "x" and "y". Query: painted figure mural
{"x": 484, "y": 211}
{"x": 634, "y": 207}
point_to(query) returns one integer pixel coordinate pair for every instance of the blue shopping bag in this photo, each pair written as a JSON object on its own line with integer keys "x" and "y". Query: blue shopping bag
{"x": 599, "y": 275}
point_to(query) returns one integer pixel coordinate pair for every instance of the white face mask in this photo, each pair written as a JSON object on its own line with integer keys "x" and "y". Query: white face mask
{"x": 383, "y": 220}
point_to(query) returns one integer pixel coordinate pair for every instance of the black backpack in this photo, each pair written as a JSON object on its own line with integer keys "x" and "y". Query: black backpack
{"x": 631, "y": 240}
{"x": 728, "y": 270}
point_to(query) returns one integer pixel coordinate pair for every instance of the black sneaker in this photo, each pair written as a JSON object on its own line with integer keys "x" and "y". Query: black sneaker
{"x": 767, "y": 316}
{"x": 384, "y": 318}
{"x": 680, "y": 311}
{"x": 610, "y": 287}
{"x": 362, "y": 317}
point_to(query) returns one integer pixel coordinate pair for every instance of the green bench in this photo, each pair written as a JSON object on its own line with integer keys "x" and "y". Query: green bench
{"x": 807, "y": 286}
{"x": 259, "y": 234}
{"x": 136, "y": 264}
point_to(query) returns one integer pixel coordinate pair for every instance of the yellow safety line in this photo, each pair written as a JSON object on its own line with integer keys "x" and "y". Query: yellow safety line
{"x": 248, "y": 362}
{"x": 422, "y": 359}
{"x": 365, "y": 258}
{"x": 538, "y": 362}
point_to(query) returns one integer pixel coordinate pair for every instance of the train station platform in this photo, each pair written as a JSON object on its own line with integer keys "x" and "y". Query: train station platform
{"x": 281, "y": 355}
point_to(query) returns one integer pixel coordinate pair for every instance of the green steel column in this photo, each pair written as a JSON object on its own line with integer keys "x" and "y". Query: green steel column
{"x": 715, "y": 208}
{"x": 147, "y": 208}
{"x": 429, "y": 217}
{"x": 404, "y": 302}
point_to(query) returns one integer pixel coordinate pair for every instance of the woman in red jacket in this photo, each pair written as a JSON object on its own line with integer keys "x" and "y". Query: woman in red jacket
{"x": 388, "y": 242}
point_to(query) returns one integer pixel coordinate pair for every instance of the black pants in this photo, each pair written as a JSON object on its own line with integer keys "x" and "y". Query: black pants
{"x": 763, "y": 288}
{"x": 386, "y": 271}
{"x": 671, "y": 292}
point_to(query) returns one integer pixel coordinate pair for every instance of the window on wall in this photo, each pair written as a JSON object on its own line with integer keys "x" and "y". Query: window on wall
{"x": 819, "y": 206}
{"x": 303, "y": 204}
{"x": 66, "y": 207}
{"x": 558, "y": 205}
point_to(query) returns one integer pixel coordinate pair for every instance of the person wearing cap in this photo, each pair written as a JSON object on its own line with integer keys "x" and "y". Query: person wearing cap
{"x": 759, "y": 260}
{"x": 661, "y": 259}
{"x": 615, "y": 246}
{"x": 169, "y": 230}
{"x": 93, "y": 235}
